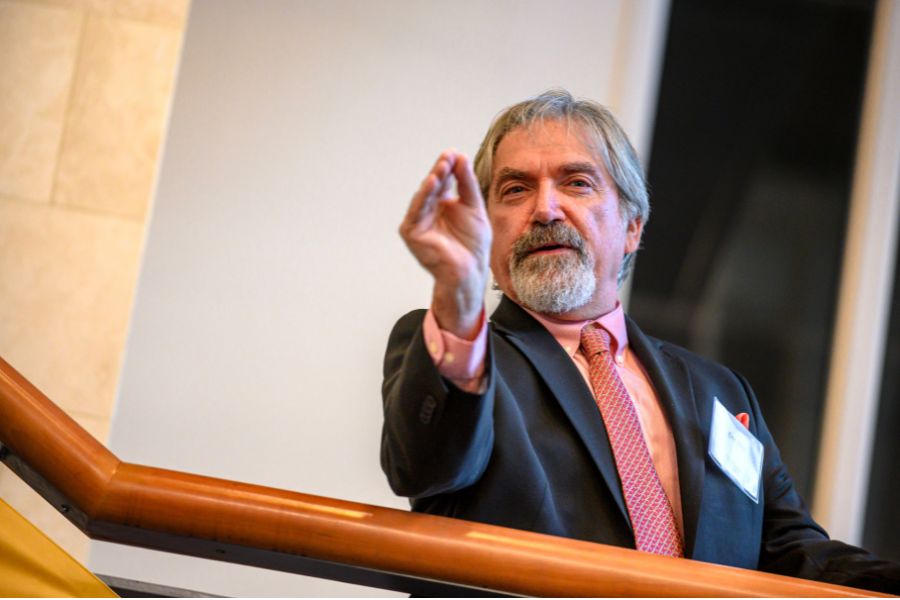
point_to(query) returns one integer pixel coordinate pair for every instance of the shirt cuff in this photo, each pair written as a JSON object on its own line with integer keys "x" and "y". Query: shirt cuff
{"x": 461, "y": 361}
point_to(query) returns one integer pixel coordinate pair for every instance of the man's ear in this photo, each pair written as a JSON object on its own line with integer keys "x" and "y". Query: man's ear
{"x": 633, "y": 232}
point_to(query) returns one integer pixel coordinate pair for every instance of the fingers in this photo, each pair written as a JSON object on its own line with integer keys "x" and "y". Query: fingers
{"x": 447, "y": 160}
{"x": 469, "y": 190}
{"x": 436, "y": 185}
{"x": 445, "y": 189}
{"x": 443, "y": 170}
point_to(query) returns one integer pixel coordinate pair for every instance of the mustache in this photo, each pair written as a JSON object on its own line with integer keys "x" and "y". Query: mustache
{"x": 539, "y": 236}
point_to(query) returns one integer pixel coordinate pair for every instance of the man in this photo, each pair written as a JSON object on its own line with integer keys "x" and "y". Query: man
{"x": 560, "y": 416}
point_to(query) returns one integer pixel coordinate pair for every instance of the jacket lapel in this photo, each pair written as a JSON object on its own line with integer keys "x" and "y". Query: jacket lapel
{"x": 672, "y": 383}
{"x": 565, "y": 381}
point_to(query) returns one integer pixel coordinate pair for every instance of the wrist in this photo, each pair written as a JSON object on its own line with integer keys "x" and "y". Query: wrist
{"x": 458, "y": 311}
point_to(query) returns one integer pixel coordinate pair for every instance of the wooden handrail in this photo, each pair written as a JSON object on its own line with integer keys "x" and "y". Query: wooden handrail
{"x": 118, "y": 501}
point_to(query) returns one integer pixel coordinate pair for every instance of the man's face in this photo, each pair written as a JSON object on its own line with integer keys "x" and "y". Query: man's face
{"x": 559, "y": 235}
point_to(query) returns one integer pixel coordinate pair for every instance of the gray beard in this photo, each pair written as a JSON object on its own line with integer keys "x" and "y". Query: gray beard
{"x": 553, "y": 284}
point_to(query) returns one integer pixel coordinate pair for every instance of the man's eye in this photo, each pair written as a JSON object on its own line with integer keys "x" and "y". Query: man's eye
{"x": 513, "y": 189}
{"x": 580, "y": 183}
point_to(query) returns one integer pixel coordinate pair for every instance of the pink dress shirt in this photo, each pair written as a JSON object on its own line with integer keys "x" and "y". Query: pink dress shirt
{"x": 462, "y": 362}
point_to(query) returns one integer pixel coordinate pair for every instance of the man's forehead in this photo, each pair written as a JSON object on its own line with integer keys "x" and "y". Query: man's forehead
{"x": 568, "y": 141}
{"x": 538, "y": 138}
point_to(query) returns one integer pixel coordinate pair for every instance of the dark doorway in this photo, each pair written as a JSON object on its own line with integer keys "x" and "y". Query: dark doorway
{"x": 882, "y": 517}
{"x": 750, "y": 176}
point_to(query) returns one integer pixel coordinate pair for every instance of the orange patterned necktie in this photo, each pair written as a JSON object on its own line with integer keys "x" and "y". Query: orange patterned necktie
{"x": 648, "y": 506}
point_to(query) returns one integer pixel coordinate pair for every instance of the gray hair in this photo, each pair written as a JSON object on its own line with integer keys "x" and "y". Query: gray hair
{"x": 605, "y": 136}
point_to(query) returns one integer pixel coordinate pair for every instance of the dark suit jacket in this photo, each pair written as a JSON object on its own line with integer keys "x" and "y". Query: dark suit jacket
{"x": 532, "y": 453}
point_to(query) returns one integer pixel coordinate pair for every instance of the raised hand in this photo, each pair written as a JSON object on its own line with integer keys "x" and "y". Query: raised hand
{"x": 451, "y": 237}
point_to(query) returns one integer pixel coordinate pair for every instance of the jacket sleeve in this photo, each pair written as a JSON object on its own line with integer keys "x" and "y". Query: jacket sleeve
{"x": 794, "y": 544}
{"x": 436, "y": 438}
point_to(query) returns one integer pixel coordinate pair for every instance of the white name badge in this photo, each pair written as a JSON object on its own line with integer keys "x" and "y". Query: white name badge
{"x": 737, "y": 451}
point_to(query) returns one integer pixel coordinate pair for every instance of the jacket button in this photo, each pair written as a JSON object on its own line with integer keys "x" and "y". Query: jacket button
{"x": 427, "y": 410}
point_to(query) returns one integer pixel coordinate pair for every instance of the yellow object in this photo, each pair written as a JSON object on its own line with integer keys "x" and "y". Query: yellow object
{"x": 32, "y": 565}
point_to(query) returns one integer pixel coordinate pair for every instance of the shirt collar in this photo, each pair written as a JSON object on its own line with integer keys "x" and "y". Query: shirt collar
{"x": 568, "y": 333}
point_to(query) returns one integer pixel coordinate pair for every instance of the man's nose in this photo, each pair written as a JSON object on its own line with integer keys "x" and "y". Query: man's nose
{"x": 546, "y": 205}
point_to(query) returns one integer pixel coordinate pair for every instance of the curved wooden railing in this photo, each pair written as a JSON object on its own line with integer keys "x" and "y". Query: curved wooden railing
{"x": 191, "y": 514}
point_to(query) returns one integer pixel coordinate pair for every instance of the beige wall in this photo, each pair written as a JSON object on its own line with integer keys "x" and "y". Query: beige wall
{"x": 273, "y": 271}
{"x": 84, "y": 92}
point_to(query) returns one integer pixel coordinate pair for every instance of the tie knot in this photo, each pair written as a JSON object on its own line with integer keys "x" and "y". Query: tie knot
{"x": 594, "y": 339}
